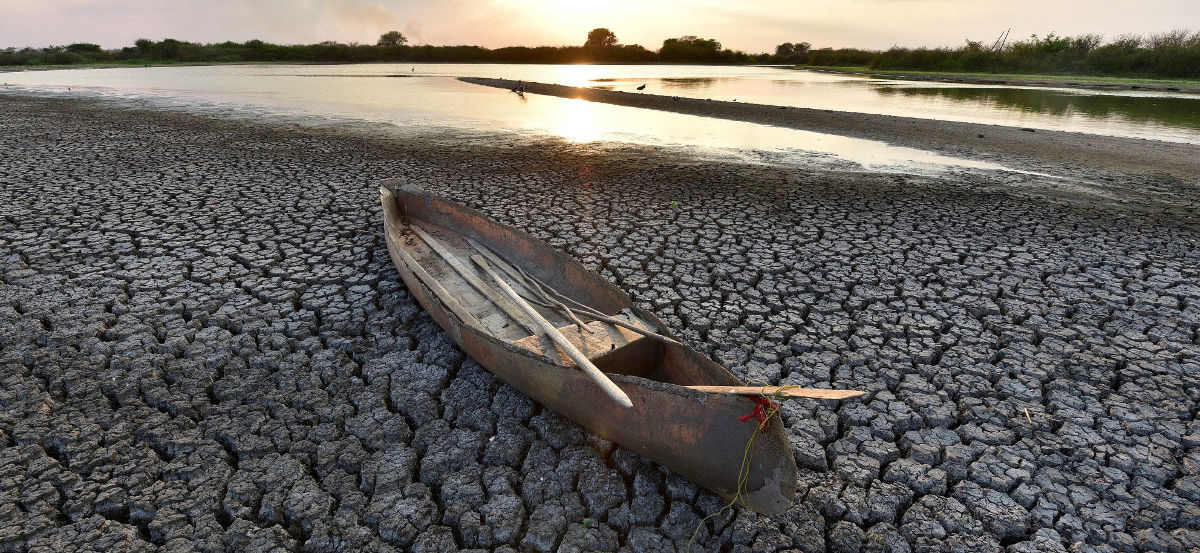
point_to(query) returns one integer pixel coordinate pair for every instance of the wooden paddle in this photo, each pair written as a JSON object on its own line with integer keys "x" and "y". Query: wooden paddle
{"x": 467, "y": 274}
{"x": 780, "y": 392}
{"x": 555, "y": 336}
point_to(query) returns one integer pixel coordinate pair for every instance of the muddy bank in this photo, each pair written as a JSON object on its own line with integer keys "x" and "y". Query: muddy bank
{"x": 203, "y": 346}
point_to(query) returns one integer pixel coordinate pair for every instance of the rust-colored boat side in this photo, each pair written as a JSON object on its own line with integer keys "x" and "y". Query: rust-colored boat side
{"x": 696, "y": 434}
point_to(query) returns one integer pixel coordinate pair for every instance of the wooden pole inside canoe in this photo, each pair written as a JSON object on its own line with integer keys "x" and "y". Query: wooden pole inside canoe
{"x": 388, "y": 200}
{"x": 555, "y": 336}
{"x": 783, "y": 392}
{"x": 530, "y": 282}
{"x": 467, "y": 274}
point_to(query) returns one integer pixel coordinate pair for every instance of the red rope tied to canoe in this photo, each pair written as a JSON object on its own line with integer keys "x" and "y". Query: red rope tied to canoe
{"x": 763, "y": 407}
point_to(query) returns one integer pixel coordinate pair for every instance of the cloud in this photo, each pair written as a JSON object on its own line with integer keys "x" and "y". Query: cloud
{"x": 415, "y": 31}
{"x": 359, "y": 15}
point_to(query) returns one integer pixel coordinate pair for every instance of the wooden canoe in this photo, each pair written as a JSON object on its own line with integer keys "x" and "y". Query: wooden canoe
{"x": 700, "y": 435}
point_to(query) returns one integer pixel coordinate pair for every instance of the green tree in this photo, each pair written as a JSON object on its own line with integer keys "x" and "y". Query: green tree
{"x": 169, "y": 48}
{"x": 794, "y": 53}
{"x": 690, "y": 48}
{"x": 83, "y": 47}
{"x": 145, "y": 47}
{"x": 392, "y": 38}
{"x": 600, "y": 38}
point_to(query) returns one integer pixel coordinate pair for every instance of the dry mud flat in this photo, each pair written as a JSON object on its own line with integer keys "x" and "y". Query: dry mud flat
{"x": 204, "y": 347}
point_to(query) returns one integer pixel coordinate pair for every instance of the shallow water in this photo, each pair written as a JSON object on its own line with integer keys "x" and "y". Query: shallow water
{"x": 426, "y": 96}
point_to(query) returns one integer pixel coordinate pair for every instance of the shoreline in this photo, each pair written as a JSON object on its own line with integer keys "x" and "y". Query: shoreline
{"x": 1050, "y": 81}
{"x": 1039, "y": 150}
{"x": 1073, "y": 185}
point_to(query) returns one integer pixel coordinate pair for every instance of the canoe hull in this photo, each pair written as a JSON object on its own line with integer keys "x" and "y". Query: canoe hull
{"x": 698, "y": 435}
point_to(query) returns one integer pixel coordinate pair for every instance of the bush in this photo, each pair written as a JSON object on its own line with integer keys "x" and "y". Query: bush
{"x": 842, "y": 57}
{"x": 1175, "y": 54}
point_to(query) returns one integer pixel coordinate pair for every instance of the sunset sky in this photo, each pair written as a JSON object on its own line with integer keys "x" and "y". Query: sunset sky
{"x": 751, "y": 25}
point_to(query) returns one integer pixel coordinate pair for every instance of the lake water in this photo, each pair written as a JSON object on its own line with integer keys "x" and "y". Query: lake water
{"x": 425, "y": 97}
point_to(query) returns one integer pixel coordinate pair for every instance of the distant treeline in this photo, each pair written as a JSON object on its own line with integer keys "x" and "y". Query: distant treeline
{"x": 391, "y": 47}
{"x": 1174, "y": 54}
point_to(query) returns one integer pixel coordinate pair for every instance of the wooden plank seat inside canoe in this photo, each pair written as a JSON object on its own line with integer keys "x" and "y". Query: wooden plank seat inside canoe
{"x": 612, "y": 348}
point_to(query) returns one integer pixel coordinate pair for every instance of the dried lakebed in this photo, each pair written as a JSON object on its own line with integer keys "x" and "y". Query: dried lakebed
{"x": 203, "y": 346}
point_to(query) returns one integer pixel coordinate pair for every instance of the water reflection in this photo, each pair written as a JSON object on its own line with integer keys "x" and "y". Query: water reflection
{"x": 1171, "y": 111}
{"x": 352, "y": 76}
{"x": 576, "y": 122}
{"x": 573, "y": 75}
{"x": 422, "y": 107}
{"x": 691, "y": 83}
{"x": 683, "y": 83}
{"x": 434, "y": 94}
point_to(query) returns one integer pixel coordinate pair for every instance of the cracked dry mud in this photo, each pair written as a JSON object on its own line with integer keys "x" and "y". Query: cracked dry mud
{"x": 204, "y": 347}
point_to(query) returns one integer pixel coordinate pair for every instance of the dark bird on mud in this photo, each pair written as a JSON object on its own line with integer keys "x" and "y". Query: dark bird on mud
{"x": 519, "y": 88}
{"x": 643, "y": 87}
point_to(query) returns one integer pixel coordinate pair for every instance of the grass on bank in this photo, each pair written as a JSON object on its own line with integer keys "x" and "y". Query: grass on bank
{"x": 1015, "y": 78}
{"x": 1170, "y": 55}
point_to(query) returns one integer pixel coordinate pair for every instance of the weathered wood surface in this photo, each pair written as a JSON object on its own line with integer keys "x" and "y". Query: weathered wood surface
{"x": 436, "y": 287}
{"x": 556, "y": 298}
{"x": 602, "y": 339}
{"x": 581, "y": 360}
{"x": 533, "y": 288}
{"x": 513, "y": 311}
{"x": 779, "y": 392}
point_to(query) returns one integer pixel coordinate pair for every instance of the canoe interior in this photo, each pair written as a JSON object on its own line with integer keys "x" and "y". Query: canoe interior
{"x": 451, "y": 226}
{"x": 610, "y": 348}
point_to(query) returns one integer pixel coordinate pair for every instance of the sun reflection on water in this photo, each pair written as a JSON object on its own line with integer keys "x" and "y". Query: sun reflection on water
{"x": 579, "y": 75}
{"x": 577, "y": 122}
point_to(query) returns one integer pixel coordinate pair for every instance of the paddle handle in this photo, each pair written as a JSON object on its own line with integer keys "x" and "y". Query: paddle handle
{"x": 555, "y": 336}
